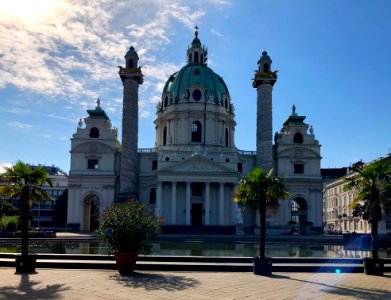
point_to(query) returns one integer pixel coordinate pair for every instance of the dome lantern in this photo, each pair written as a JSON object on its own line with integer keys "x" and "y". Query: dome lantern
{"x": 196, "y": 53}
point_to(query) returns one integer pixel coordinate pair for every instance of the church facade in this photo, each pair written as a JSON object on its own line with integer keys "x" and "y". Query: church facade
{"x": 190, "y": 175}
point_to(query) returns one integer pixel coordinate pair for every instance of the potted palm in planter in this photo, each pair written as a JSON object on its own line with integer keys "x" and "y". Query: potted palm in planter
{"x": 256, "y": 191}
{"x": 128, "y": 228}
{"x": 372, "y": 183}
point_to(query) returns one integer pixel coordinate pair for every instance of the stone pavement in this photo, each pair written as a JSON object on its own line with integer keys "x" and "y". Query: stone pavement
{"x": 108, "y": 284}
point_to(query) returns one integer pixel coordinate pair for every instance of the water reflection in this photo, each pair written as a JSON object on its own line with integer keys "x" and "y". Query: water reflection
{"x": 211, "y": 249}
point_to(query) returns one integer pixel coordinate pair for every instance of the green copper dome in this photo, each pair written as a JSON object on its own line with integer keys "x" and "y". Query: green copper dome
{"x": 196, "y": 77}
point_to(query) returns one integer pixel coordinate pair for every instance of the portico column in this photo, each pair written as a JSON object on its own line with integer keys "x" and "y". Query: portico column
{"x": 173, "y": 202}
{"x": 187, "y": 203}
{"x": 207, "y": 204}
{"x": 221, "y": 204}
{"x": 159, "y": 196}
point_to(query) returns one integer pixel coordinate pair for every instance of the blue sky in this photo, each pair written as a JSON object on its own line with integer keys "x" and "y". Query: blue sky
{"x": 57, "y": 57}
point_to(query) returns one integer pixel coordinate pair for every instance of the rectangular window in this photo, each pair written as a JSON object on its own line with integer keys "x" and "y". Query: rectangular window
{"x": 388, "y": 224}
{"x": 154, "y": 165}
{"x": 240, "y": 167}
{"x": 298, "y": 168}
{"x": 92, "y": 164}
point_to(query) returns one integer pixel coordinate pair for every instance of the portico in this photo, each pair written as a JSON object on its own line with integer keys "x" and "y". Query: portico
{"x": 195, "y": 202}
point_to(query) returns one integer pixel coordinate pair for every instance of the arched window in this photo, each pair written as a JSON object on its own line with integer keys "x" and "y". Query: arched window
{"x": 196, "y": 57}
{"x": 94, "y": 132}
{"x": 130, "y": 63}
{"x": 226, "y": 103}
{"x": 226, "y": 137}
{"x": 164, "y": 136}
{"x": 190, "y": 57}
{"x": 196, "y": 132}
{"x": 202, "y": 58}
{"x": 298, "y": 138}
{"x": 165, "y": 101}
{"x": 265, "y": 68}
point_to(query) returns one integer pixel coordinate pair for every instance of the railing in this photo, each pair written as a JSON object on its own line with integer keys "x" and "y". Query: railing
{"x": 200, "y": 148}
{"x": 245, "y": 152}
{"x": 146, "y": 150}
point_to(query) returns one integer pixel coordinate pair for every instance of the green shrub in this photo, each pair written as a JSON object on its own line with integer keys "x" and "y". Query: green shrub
{"x": 129, "y": 227}
{"x": 9, "y": 223}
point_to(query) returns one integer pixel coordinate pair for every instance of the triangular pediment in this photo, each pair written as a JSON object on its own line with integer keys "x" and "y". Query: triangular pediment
{"x": 197, "y": 164}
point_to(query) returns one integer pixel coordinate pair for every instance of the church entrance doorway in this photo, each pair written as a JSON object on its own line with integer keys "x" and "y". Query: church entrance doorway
{"x": 299, "y": 215}
{"x": 91, "y": 213}
{"x": 196, "y": 214}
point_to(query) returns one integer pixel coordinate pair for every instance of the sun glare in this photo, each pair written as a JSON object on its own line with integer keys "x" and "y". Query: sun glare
{"x": 27, "y": 9}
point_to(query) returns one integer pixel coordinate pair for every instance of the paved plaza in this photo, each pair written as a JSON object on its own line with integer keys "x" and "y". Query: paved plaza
{"x": 108, "y": 284}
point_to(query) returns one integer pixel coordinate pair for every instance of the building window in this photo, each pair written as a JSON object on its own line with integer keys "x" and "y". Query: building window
{"x": 197, "y": 95}
{"x": 166, "y": 101}
{"x": 226, "y": 137}
{"x": 388, "y": 224}
{"x": 298, "y": 168}
{"x": 154, "y": 164}
{"x": 152, "y": 196}
{"x": 298, "y": 138}
{"x": 92, "y": 164}
{"x": 240, "y": 167}
{"x": 94, "y": 132}
{"x": 164, "y": 136}
{"x": 196, "y": 131}
{"x": 265, "y": 68}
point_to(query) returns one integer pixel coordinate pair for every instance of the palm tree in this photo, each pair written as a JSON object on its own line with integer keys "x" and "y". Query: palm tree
{"x": 257, "y": 190}
{"x": 26, "y": 184}
{"x": 373, "y": 186}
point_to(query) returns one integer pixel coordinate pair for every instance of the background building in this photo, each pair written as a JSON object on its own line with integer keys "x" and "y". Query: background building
{"x": 47, "y": 213}
{"x": 337, "y": 212}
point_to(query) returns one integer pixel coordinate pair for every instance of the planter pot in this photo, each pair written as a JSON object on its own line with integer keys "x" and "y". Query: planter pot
{"x": 126, "y": 262}
{"x": 373, "y": 267}
{"x": 262, "y": 266}
{"x": 25, "y": 264}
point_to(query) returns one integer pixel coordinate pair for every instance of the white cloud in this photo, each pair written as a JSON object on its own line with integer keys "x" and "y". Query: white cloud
{"x": 71, "y": 48}
{"x": 216, "y": 32}
{"x": 19, "y": 125}
{"x": 16, "y": 111}
{"x": 221, "y": 2}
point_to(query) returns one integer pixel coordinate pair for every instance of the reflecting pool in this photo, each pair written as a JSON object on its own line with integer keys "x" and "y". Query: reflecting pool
{"x": 210, "y": 249}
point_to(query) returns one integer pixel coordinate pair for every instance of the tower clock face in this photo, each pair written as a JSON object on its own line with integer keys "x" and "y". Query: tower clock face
{"x": 197, "y": 95}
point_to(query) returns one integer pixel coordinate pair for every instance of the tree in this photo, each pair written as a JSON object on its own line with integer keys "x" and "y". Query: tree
{"x": 256, "y": 191}
{"x": 26, "y": 184}
{"x": 373, "y": 186}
